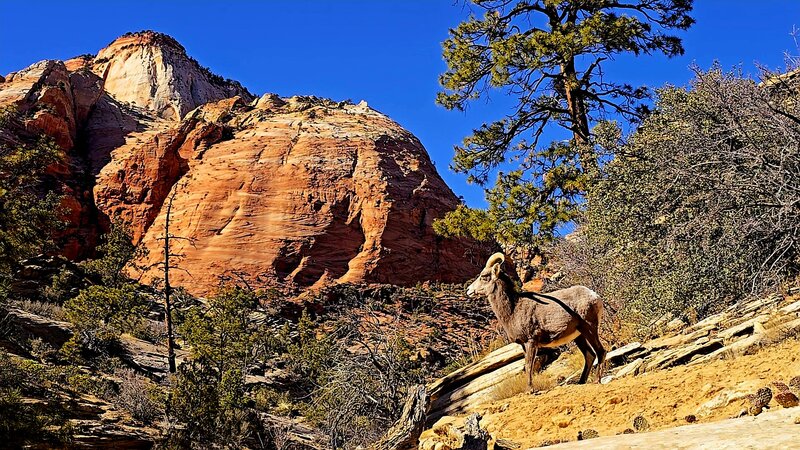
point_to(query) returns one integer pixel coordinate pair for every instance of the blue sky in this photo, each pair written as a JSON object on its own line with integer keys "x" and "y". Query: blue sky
{"x": 385, "y": 52}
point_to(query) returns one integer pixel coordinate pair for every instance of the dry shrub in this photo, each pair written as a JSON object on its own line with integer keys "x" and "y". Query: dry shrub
{"x": 542, "y": 381}
{"x": 44, "y": 309}
{"x": 42, "y": 350}
{"x": 697, "y": 209}
{"x": 139, "y": 396}
{"x": 473, "y": 353}
{"x": 150, "y": 331}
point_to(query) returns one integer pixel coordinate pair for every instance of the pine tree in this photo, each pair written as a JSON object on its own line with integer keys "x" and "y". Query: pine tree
{"x": 117, "y": 251}
{"x": 549, "y": 55}
{"x": 166, "y": 264}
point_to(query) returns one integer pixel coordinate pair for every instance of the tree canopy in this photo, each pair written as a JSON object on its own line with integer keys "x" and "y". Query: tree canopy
{"x": 549, "y": 55}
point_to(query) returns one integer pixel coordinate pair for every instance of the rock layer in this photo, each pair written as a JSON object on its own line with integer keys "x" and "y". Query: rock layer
{"x": 300, "y": 191}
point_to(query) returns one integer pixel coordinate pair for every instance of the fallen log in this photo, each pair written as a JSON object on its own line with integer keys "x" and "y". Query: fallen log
{"x": 477, "y": 391}
{"x": 474, "y": 383}
{"x": 454, "y": 393}
{"x": 493, "y": 361}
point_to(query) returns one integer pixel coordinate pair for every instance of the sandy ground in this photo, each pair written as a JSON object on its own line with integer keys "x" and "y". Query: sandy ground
{"x": 663, "y": 398}
{"x": 770, "y": 430}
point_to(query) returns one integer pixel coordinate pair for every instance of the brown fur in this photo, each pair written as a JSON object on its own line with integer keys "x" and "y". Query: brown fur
{"x": 563, "y": 316}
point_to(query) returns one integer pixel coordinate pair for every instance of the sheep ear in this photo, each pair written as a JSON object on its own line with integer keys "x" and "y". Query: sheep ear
{"x": 496, "y": 270}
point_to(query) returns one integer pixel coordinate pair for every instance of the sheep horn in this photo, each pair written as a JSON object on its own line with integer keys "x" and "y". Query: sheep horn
{"x": 497, "y": 258}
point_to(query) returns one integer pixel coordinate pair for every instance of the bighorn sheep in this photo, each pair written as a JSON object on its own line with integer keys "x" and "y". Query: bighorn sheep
{"x": 570, "y": 314}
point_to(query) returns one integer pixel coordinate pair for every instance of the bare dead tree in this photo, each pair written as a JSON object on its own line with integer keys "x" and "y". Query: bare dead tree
{"x": 167, "y": 264}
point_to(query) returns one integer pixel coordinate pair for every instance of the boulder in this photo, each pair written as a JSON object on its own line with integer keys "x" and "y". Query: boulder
{"x": 745, "y": 328}
{"x": 35, "y": 274}
{"x": 308, "y": 195}
{"x": 53, "y": 332}
{"x": 791, "y": 308}
{"x": 683, "y": 355}
{"x": 633, "y": 368}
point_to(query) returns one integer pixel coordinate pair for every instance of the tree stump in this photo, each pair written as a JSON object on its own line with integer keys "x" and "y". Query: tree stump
{"x": 475, "y": 438}
{"x": 405, "y": 433}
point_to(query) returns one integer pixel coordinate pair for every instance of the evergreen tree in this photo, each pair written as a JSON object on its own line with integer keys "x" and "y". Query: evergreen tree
{"x": 549, "y": 55}
{"x": 30, "y": 210}
{"x": 222, "y": 334}
{"x": 208, "y": 393}
{"x": 117, "y": 251}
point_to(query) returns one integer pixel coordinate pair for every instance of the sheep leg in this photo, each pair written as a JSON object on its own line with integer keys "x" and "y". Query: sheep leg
{"x": 601, "y": 362}
{"x": 530, "y": 358}
{"x": 589, "y": 333}
{"x": 588, "y": 357}
{"x": 599, "y": 351}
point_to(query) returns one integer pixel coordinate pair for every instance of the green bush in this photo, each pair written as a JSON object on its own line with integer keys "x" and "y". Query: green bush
{"x": 274, "y": 401}
{"x": 310, "y": 357}
{"x": 22, "y": 423}
{"x": 30, "y": 211}
{"x": 63, "y": 286}
{"x": 699, "y": 208}
{"x": 211, "y": 409}
{"x": 100, "y": 314}
{"x": 117, "y": 251}
{"x": 208, "y": 394}
{"x": 102, "y": 306}
{"x": 221, "y": 333}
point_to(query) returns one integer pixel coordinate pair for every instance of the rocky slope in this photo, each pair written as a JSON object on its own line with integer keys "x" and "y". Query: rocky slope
{"x": 702, "y": 373}
{"x": 300, "y": 191}
{"x": 436, "y": 322}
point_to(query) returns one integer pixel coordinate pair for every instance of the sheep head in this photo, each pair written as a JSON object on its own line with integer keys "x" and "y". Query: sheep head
{"x": 488, "y": 279}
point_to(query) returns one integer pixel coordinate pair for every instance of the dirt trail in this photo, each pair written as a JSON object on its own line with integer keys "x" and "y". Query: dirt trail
{"x": 664, "y": 398}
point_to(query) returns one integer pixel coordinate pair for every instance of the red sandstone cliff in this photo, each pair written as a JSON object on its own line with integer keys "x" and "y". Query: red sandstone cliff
{"x": 294, "y": 190}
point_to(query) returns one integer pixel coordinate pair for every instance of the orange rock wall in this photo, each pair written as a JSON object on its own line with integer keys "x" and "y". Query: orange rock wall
{"x": 300, "y": 191}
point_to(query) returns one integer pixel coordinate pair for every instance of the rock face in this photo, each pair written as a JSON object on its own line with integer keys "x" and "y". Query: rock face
{"x": 47, "y": 99}
{"x": 152, "y": 70}
{"x": 42, "y": 92}
{"x": 305, "y": 191}
{"x": 300, "y": 191}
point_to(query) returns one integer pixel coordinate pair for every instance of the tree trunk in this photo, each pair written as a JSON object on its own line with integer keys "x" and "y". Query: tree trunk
{"x": 576, "y": 103}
